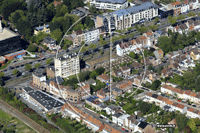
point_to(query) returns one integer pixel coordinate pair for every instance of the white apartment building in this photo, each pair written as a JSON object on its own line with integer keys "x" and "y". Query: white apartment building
{"x": 67, "y": 65}
{"x": 109, "y": 4}
{"x": 125, "y": 18}
{"x": 91, "y": 35}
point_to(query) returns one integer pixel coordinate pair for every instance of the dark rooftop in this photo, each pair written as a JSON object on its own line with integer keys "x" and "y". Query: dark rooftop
{"x": 142, "y": 124}
{"x": 45, "y": 100}
{"x": 38, "y": 73}
{"x": 27, "y": 89}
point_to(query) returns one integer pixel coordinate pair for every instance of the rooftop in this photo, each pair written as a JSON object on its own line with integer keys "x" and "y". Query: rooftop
{"x": 46, "y": 100}
{"x": 112, "y": 1}
{"x": 134, "y": 9}
{"x": 16, "y": 53}
{"x": 2, "y": 58}
{"x": 27, "y": 89}
{"x": 42, "y": 27}
{"x": 101, "y": 59}
{"x": 6, "y": 34}
{"x": 38, "y": 73}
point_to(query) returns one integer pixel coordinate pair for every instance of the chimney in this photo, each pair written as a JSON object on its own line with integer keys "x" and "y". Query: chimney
{"x": 1, "y": 29}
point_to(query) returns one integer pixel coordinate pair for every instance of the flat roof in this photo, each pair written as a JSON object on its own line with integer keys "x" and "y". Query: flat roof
{"x": 15, "y": 53}
{"x": 101, "y": 59}
{"x": 135, "y": 9}
{"x": 27, "y": 89}
{"x": 46, "y": 100}
{"x": 2, "y": 58}
{"x": 6, "y": 34}
{"x": 112, "y": 1}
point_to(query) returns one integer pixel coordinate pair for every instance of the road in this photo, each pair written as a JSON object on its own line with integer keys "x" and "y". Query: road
{"x": 8, "y": 108}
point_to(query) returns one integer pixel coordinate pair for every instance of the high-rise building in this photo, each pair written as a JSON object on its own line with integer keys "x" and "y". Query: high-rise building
{"x": 67, "y": 65}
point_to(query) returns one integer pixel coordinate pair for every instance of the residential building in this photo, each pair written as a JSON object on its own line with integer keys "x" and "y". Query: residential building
{"x": 104, "y": 78}
{"x": 195, "y": 55}
{"x": 50, "y": 43}
{"x": 109, "y": 4}
{"x": 38, "y": 77}
{"x": 123, "y": 120}
{"x": 55, "y": 3}
{"x": 44, "y": 28}
{"x": 122, "y": 72}
{"x": 179, "y": 7}
{"x": 67, "y": 65}
{"x": 125, "y": 18}
{"x": 91, "y": 35}
{"x": 136, "y": 66}
{"x": 80, "y": 11}
{"x": 50, "y": 72}
{"x": 112, "y": 109}
{"x": 159, "y": 54}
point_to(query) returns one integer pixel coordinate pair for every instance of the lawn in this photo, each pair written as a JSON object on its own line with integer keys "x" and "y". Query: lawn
{"x": 8, "y": 123}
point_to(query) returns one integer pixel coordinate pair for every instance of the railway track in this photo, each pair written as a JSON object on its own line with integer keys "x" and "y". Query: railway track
{"x": 11, "y": 110}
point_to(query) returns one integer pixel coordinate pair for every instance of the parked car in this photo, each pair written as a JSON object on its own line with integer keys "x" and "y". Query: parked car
{"x": 179, "y": 100}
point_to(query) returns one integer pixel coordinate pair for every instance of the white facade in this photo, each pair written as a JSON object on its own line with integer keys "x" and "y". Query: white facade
{"x": 123, "y": 120}
{"x": 91, "y": 35}
{"x": 111, "y": 5}
{"x": 67, "y": 65}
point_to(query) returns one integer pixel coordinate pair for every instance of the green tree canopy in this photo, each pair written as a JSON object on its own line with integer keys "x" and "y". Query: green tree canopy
{"x": 37, "y": 65}
{"x": 181, "y": 121}
{"x": 15, "y": 72}
{"x": 2, "y": 74}
{"x": 28, "y": 67}
{"x": 48, "y": 61}
{"x": 57, "y": 35}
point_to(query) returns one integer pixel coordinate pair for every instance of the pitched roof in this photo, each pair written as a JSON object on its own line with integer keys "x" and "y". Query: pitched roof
{"x": 190, "y": 109}
{"x": 124, "y": 68}
{"x": 185, "y": 2}
{"x": 160, "y": 51}
{"x": 159, "y": 97}
{"x": 175, "y": 3}
{"x": 104, "y": 76}
{"x": 149, "y": 33}
{"x": 136, "y": 64}
{"x": 183, "y": 26}
{"x": 149, "y": 94}
{"x": 169, "y": 102}
{"x": 125, "y": 85}
{"x": 187, "y": 92}
{"x": 180, "y": 106}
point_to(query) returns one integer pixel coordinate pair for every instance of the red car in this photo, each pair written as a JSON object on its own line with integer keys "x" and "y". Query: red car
{"x": 123, "y": 129}
{"x": 179, "y": 100}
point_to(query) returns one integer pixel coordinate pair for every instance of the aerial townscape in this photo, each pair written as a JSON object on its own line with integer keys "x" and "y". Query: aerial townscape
{"x": 102, "y": 66}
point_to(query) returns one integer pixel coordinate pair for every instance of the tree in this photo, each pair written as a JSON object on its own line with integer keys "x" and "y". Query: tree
{"x": 172, "y": 20}
{"x": 48, "y": 61}
{"x": 92, "y": 9}
{"x": 32, "y": 48}
{"x": 132, "y": 55}
{"x": 2, "y": 74}
{"x": 191, "y": 14}
{"x": 191, "y": 123}
{"x": 93, "y": 74}
{"x": 28, "y": 67}
{"x": 83, "y": 42}
{"x": 155, "y": 84}
{"x": 15, "y": 72}
{"x": 93, "y": 46}
{"x": 39, "y": 50}
{"x": 37, "y": 65}
{"x": 156, "y": 19}
{"x": 181, "y": 121}
{"x": 181, "y": 17}
{"x": 57, "y": 34}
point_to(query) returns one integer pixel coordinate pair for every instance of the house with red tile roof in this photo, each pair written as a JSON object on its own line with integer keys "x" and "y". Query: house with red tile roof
{"x": 104, "y": 78}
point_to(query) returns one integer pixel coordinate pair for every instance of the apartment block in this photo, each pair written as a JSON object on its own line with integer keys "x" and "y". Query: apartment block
{"x": 67, "y": 65}
{"x": 109, "y": 4}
